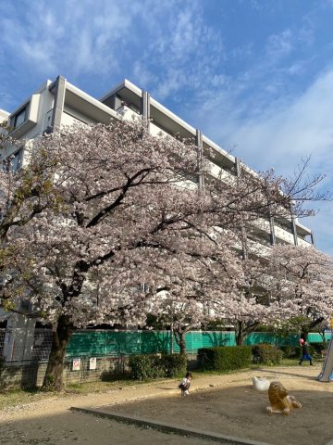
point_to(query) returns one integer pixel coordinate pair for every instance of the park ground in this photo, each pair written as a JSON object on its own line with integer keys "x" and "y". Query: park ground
{"x": 225, "y": 404}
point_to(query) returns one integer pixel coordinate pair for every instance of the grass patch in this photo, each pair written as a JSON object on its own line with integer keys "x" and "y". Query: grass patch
{"x": 98, "y": 387}
{"x": 290, "y": 362}
{"x": 14, "y": 397}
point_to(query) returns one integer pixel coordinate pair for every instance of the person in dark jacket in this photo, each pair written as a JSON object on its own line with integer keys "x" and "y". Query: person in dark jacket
{"x": 305, "y": 353}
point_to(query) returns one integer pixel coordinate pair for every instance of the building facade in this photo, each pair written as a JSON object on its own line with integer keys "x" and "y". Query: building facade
{"x": 59, "y": 103}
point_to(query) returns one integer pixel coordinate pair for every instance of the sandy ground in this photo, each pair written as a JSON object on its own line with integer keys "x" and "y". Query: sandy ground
{"x": 225, "y": 404}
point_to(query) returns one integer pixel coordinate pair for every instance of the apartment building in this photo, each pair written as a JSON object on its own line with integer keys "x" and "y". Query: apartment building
{"x": 59, "y": 103}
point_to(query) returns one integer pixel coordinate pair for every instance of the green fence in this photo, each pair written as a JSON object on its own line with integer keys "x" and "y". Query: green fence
{"x": 100, "y": 343}
{"x": 267, "y": 337}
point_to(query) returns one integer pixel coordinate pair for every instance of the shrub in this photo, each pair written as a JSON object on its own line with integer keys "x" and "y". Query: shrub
{"x": 225, "y": 358}
{"x": 146, "y": 367}
{"x": 289, "y": 351}
{"x": 267, "y": 354}
{"x": 318, "y": 347}
{"x": 174, "y": 365}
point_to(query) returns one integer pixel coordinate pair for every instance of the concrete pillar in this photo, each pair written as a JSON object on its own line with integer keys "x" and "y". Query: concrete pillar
{"x": 145, "y": 107}
{"x": 313, "y": 239}
{"x": 294, "y": 230}
{"x": 272, "y": 230}
{"x": 59, "y": 101}
{"x": 245, "y": 250}
{"x": 238, "y": 168}
{"x": 199, "y": 144}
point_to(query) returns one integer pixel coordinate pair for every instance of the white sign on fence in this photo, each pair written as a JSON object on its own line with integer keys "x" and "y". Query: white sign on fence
{"x": 76, "y": 364}
{"x": 92, "y": 363}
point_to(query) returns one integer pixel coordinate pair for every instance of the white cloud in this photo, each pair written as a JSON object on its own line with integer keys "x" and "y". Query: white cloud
{"x": 183, "y": 50}
{"x": 301, "y": 128}
{"x": 67, "y": 34}
{"x": 100, "y": 37}
{"x": 280, "y": 45}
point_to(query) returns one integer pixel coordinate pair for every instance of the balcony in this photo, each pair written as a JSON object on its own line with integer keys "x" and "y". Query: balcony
{"x": 262, "y": 225}
{"x": 219, "y": 173}
{"x": 25, "y": 118}
{"x": 284, "y": 235}
{"x": 128, "y": 114}
{"x": 257, "y": 249}
{"x": 157, "y": 131}
{"x": 303, "y": 243}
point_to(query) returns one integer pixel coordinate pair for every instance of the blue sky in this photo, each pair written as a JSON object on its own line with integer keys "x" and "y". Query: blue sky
{"x": 256, "y": 76}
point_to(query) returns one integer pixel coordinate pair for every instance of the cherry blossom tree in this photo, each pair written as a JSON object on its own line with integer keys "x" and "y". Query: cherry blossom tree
{"x": 24, "y": 193}
{"x": 187, "y": 281}
{"x": 301, "y": 285}
{"x": 247, "y": 306}
{"x": 101, "y": 207}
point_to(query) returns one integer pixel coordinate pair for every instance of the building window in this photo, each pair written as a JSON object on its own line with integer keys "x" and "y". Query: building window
{"x": 16, "y": 160}
{"x": 20, "y": 117}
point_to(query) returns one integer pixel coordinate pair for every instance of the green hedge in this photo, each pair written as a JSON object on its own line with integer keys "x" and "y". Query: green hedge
{"x": 267, "y": 354}
{"x": 174, "y": 365}
{"x": 318, "y": 347}
{"x": 147, "y": 367}
{"x": 224, "y": 358}
{"x": 289, "y": 351}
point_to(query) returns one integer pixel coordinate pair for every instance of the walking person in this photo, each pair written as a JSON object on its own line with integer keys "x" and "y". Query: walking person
{"x": 305, "y": 352}
{"x": 184, "y": 386}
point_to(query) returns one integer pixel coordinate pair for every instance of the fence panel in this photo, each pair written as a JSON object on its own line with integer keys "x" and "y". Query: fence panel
{"x": 2, "y": 340}
{"x": 141, "y": 342}
{"x": 124, "y": 343}
{"x": 42, "y": 344}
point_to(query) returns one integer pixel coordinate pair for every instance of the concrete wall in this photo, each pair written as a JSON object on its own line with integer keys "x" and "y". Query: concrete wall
{"x": 30, "y": 375}
{"x": 107, "y": 368}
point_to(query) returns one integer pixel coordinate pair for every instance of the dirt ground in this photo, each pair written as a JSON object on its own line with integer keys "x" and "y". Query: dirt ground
{"x": 225, "y": 404}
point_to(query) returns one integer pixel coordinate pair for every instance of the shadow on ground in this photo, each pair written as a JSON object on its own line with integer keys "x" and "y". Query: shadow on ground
{"x": 240, "y": 411}
{"x": 73, "y": 428}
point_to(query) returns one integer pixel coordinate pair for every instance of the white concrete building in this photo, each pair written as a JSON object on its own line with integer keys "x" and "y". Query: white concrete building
{"x": 58, "y": 103}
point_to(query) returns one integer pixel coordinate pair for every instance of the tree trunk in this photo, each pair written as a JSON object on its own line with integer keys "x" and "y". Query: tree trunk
{"x": 53, "y": 380}
{"x": 239, "y": 331}
{"x": 315, "y": 323}
{"x": 304, "y": 334}
{"x": 180, "y": 340}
